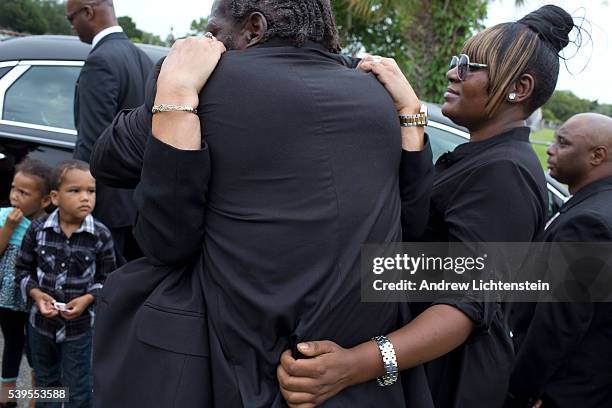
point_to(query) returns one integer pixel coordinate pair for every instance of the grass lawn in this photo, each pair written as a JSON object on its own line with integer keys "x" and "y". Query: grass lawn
{"x": 541, "y": 152}
{"x": 546, "y": 136}
{"x": 543, "y": 135}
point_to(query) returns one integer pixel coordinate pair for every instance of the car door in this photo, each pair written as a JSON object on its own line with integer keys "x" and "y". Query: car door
{"x": 36, "y": 114}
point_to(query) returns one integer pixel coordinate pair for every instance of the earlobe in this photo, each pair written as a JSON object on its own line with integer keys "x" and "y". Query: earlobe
{"x": 523, "y": 89}
{"x": 54, "y": 198}
{"x": 599, "y": 156}
{"x": 46, "y": 201}
{"x": 89, "y": 13}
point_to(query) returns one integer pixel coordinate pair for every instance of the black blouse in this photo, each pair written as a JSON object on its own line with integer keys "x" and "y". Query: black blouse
{"x": 489, "y": 191}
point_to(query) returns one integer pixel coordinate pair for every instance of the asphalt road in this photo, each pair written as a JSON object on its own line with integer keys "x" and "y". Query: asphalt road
{"x": 24, "y": 381}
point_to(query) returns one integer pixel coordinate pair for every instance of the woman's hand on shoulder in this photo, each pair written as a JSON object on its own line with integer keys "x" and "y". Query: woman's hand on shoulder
{"x": 392, "y": 78}
{"x": 187, "y": 67}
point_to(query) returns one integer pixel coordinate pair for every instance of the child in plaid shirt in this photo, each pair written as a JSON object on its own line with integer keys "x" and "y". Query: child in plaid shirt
{"x": 29, "y": 197}
{"x": 62, "y": 265}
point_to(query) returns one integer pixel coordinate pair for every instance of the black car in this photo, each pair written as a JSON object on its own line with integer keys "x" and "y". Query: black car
{"x": 37, "y": 82}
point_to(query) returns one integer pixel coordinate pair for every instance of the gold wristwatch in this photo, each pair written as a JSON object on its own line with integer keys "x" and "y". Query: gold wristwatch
{"x": 420, "y": 119}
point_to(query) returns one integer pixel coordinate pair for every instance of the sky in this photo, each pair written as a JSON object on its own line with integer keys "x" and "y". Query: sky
{"x": 584, "y": 74}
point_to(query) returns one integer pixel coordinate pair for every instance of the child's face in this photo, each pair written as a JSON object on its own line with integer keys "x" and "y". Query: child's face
{"x": 76, "y": 196}
{"x": 26, "y": 194}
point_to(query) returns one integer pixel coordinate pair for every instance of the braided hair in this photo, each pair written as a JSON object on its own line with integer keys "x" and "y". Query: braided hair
{"x": 299, "y": 20}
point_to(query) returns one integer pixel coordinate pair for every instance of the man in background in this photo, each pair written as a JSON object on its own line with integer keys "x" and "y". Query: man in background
{"x": 565, "y": 357}
{"x": 112, "y": 80}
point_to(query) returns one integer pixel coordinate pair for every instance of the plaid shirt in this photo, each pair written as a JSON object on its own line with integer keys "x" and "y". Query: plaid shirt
{"x": 64, "y": 268}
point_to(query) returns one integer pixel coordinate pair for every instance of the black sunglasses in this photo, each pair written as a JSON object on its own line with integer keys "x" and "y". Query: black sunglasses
{"x": 71, "y": 16}
{"x": 464, "y": 66}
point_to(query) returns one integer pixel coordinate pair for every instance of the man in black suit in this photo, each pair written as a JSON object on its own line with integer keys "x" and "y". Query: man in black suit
{"x": 292, "y": 163}
{"x": 111, "y": 80}
{"x": 565, "y": 358}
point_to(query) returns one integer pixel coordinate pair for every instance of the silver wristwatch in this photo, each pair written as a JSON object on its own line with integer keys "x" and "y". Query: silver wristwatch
{"x": 420, "y": 119}
{"x": 389, "y": 360}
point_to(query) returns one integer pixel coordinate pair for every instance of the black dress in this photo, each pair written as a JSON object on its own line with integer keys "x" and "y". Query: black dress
{"x": 489, "y": 191}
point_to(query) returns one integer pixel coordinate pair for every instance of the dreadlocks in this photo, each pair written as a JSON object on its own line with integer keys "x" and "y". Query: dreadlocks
{"x": 299, "y": 20}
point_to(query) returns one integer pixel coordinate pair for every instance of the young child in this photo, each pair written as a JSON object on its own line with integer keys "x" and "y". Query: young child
{"x": 29, "y": 197}
{"x": 62, "y": 265}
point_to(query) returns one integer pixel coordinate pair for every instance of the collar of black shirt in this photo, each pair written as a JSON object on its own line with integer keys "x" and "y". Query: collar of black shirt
{"x": 345, "y": 60}
{"x": 288, "y": 42}
{"x": 518, "y": 134}
{"x": 587, "y": 191}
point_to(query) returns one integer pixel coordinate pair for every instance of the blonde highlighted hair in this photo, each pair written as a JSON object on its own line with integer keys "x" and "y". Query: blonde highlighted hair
{"x": 507, "y": 56}
{"x": 528, "y": 46}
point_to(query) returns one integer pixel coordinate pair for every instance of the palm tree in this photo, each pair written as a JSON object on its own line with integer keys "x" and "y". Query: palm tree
{"x": 428, "y": 32}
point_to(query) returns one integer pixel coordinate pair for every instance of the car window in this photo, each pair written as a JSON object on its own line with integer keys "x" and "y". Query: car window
{"x": 442, "y": 141}
{"x": 4, "y": 70}
{"x": 44, "y": 95}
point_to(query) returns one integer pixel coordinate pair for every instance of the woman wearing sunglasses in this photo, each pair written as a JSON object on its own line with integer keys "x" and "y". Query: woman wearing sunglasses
{"x": 491, "y": 189}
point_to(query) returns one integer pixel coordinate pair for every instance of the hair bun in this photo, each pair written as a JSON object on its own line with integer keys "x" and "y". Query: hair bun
{"x": 552, "y": 23}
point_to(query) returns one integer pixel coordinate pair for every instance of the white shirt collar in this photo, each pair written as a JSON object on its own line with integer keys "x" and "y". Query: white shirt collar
{"x": 104, "y": 33}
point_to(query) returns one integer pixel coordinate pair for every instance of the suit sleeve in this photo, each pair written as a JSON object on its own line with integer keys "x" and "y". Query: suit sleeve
{"x": 118, "y": 154}
{"x": 416, "y": 182}
{"x": 557, "y": 328}
{"x": 98, "y": 98}
{"x": 493, "y": 204}
{"x": 171, "y": 203}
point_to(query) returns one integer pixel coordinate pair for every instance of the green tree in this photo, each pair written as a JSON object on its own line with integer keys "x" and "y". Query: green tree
{"x": 54, "y": 13}
{"x": 380, "y": 35}
{"x": 137, "y": 35}
{"x": 198, "y": 27}
{"x": 421, "y": 35}
{"x": 604, "y": 109}
{"x": 549, "y": 117}
{"x": 129, "y": 28}
{"x": 150, "y": 38}
{"x": 23, "y": 16}
{"x": 564, "y": 104}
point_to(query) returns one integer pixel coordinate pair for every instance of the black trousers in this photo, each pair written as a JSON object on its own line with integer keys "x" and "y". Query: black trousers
{"x": 14, "y": 331}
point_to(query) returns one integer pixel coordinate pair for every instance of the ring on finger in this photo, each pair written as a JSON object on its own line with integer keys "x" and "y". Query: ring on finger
{"x": 208, "y": 34}
{"x": 376, "y": 59}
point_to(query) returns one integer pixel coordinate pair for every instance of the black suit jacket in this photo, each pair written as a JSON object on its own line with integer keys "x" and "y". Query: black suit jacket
{"x": 301, "y": 167}
{"x": 111, "y": 80}
{"x": 566, "y": 353}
